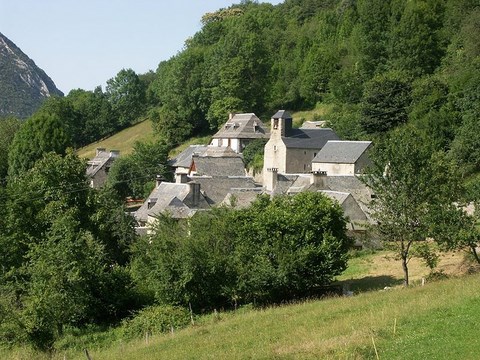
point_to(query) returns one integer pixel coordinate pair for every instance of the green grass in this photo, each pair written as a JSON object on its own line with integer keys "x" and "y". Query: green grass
{"x": 299, "y": 117}
{"x": 123, "y": 140}
{"x": 435, "y": 321}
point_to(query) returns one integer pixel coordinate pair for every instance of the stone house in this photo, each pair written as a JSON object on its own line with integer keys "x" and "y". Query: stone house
{"x": 213, "y": 174}
{"x": 350, "y": 192}
{"x": 182, "y": 162}
{"x": 217, "y": 161}
{"x": 342, "y": 157}
{"x": 239, "y": 130}
{"x": 289, "y": 150}
{"x": 99, "y": 166}
{"x": 176, "y": 199}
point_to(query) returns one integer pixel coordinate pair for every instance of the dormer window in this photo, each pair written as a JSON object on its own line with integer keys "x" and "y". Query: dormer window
{"x": 151, "y": 203}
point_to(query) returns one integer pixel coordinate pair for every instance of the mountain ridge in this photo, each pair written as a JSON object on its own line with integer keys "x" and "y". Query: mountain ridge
{"x": 23, "y": 85}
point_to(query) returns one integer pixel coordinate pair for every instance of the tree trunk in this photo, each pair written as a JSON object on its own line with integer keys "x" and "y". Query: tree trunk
{"x": 405, "y": 270}
{"x": 405, "y": 248}
{"x": 475, "y": 254}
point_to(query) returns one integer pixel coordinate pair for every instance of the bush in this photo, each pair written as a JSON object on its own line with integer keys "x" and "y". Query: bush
{"x": 88, "y": 337}
{"x": 155, "y": 320}
{"x": 436, "y": 275}
{"x": 11, "y": 328}
{"x": 253, "y": 152}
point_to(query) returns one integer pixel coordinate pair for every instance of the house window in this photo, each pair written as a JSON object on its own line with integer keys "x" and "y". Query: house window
{"x": 304, "y": 167}
{"x": 151, "y": 203}
{"x": 304, "y": 153}
{"x": 314, "y": 154}
{"x": 274, "y": 147}
{"x": 275, "y": 123}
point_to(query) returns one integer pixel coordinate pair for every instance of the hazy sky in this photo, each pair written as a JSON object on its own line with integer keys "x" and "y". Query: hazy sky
{"x": 83, "y": 43}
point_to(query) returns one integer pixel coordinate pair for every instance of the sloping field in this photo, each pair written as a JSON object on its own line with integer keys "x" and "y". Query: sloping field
{"x": 123, "y": 140}
{"x": 435, "y": 321}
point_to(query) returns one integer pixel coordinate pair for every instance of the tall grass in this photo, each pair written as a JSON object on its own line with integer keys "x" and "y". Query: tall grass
{"x": 436, "y": 321}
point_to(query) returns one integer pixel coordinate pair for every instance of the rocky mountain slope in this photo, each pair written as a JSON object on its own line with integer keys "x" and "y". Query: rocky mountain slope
{"x": 23, "y": 85}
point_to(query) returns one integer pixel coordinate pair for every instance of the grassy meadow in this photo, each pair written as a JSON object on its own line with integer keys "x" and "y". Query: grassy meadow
{"x": 122, "y": 141}
{"x": 435, "y": 321}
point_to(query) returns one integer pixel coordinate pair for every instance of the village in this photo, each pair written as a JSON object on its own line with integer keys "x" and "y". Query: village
{"x": 310, "y": 158}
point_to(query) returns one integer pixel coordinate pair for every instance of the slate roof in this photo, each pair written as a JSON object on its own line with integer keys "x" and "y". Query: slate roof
{"x": 243, "y": 126}
{"x": 339, "y": 196}
{"x": 215, "y": 189}
{"x": 99, "y": 161}
{"x": 168, "y": 197}
{"x": 352, "y": 184}
{"x": 298, "y": 183}
{"x": 184, "y": 159}
{"x": 282, "y": 114}
{"x": 292, "y": 184}
{"x": 242, "y": 198}
{"x": 309, "y": 138}
{"x": 356, "y": 219}
{"x": 341, "y": 152}
{"x": 219, "y": 151}
{"x": 218, "y": 166}
{"x": 313, "y": 124}
{"x": 284, "y": 182}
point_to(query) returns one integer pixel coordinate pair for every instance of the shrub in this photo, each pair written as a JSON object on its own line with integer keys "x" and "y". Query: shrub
{"x": 155, "y": 320}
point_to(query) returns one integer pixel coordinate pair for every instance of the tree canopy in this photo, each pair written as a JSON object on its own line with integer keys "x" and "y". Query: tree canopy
{"x": 415, "y": 190}
{"x": 276, "y": 249}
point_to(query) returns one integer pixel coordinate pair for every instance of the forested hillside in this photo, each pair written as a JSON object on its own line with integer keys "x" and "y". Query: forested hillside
{"x": 382, "y": 63}
{"x": 404, "y": 73}
{"x": 378, "y": 63}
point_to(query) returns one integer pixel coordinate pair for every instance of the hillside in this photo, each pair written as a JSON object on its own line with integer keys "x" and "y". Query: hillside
{"x": 23, "y": 85}
{"x": 402, "y": 74}
{"x": 420, "y": 322}
{"x": 143, "y": 131}
{"x": 122, "y": 141}
{"x": 428, "y": 322}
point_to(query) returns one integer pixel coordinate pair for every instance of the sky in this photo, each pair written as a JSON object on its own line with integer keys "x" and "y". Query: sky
{"x": 83, "y": 43}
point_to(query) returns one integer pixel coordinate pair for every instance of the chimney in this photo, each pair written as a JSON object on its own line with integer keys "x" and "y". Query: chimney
{"x": 270, "y": 178}
{"x": 319, "y": 179}
{"x": 99, "y": 151}
{"x": 158, "y": 180}
{"x": 195, "y": 192}
{"x": 114, "y": 153}
{"x": 151, "y": 202}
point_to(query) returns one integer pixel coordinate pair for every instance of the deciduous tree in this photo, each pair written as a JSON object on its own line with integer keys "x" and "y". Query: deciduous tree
{"x": 385, "y": 102}
{"x": 414, "y": 188}
{"x": 126, "y": 94}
